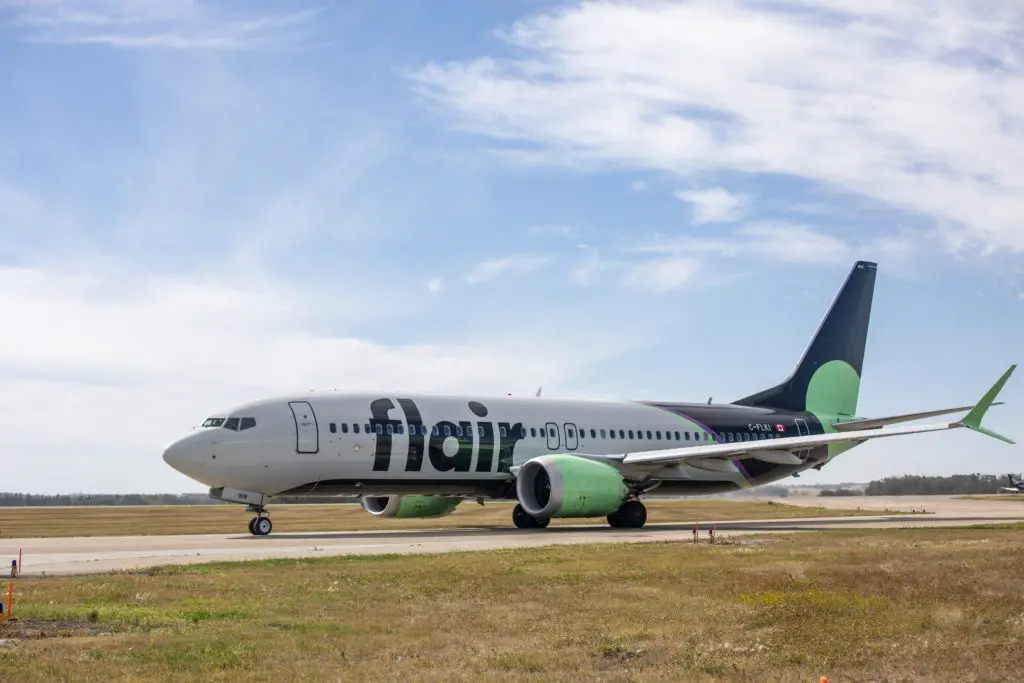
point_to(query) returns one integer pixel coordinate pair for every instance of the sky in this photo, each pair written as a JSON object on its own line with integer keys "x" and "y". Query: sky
{"x": 207, "y": 203}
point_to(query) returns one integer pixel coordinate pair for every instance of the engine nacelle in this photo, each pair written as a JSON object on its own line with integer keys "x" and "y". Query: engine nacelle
{"x": 409, "y": 506}
{"x": 569, "y": 486}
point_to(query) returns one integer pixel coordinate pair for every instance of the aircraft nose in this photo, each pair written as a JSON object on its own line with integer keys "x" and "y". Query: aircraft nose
{"x": 183, "y": 456}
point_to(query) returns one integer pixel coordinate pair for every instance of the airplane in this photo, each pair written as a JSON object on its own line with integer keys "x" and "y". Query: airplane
{"x": 411, "y": 455}
{"x": 1016, "y": 485}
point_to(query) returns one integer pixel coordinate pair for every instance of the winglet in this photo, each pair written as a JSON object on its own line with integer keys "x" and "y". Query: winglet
{"x": 973, "y": 419}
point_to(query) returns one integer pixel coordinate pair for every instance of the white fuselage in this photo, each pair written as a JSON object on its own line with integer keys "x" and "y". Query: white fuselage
{"x": 353, "y": 444}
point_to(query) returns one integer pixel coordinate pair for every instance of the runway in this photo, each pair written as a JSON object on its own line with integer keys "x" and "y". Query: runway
{"x": 87, "y": 555}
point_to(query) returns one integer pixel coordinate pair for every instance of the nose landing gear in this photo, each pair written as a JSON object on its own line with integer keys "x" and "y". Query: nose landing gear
{"x": 259, "y": 525}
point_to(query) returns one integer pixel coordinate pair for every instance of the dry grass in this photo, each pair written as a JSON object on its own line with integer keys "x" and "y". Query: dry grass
{"x": 210, "y": 519}
{"x": 913, "y": 605}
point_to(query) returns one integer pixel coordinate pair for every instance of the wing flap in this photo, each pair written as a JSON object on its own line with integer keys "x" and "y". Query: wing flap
{"x": 778, "y": 446}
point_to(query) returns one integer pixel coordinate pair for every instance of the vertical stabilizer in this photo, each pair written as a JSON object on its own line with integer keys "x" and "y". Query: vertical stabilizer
{"x": 827, "y": 378}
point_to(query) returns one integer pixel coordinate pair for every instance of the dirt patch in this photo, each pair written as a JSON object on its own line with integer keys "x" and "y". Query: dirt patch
{"x": 29, "y": 629}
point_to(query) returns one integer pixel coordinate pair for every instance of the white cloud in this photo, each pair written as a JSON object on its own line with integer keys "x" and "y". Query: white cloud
{"x": 489, "y": 269}
{"x": 435, "y": 285}
{"x": 715, "y": 205}
{"x": 100, "y": 370}
{"x": 916, "y": 104}
{"x": 662, "y": 275}
{"x": 167, "y": 24}
{"x": 763, "y": 241}
{"x": 589, "y": 271}
{"x": 566, "y": 231}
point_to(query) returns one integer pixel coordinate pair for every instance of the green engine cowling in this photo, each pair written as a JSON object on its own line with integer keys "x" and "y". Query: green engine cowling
{"x": 569, "y": 486}
{"x": 409, "y": 506}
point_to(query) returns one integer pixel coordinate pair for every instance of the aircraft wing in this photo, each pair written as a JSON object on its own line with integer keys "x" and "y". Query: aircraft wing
{"x": 876, "y": 422}
{"x": 781, "y": 450}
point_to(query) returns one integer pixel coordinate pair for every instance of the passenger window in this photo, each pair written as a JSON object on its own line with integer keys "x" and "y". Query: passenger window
{"x": 501, "y": 430}
{"x": 344, "y": 427}
{"x": 355, "y": 428}
{"x": 232, "y": 423}
{"x": 333, "y": 427}
{"x": 593, "y": 433}
{"x": 366, "y": 427}
{"x": 447, "y": 430}
{"x": 631, "y": 433}
{"x": 533, "y": 432}
{"x": 611, "y": 433}
{"x": 569, "y": 432}
{"x": 380, "y": 429}
{"x": 687, "y": 435}
{"x": 658, "y": 435}
{"x": 622, "y": 434}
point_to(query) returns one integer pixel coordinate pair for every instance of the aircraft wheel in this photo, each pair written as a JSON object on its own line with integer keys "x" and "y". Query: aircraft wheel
{"x": 524, "y": 520}
{"x": 632, "y": 515}
{"x": 252, "y": 525}
{"x": 262, "y": 526}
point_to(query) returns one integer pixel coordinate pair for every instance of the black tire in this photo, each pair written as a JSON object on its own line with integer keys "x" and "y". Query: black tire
{"x": 523, "y": 520}
{"x": 252, "y": 526}
{"x": 263, "y": 526}
{"x": 632, "y": 515}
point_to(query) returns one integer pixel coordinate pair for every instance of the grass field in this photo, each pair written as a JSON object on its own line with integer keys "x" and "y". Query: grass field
{"x": 908, "y": 605}
{"x": 31, "y": 522}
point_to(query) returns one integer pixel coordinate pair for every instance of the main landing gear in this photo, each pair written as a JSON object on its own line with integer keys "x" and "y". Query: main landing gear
{"x": 260, "y": 524}
{"x": 632, "y": 515}
{"x": 524, "y": 520}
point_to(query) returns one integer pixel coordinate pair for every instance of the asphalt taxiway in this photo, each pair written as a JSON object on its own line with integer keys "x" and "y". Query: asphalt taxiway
{"x": 86, "y": 555}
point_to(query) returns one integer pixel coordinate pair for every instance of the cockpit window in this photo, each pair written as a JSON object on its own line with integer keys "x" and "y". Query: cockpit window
{"x": 246, "y": 423}
{"x": 232, "y": 423}
{"x": 213, "y": 422}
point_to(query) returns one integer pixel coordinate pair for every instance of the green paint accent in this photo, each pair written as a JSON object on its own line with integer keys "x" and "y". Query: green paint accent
{"x": 426, "y": 506}
{"x": 589, "y": 488}
{"x": 833, "y": 389}
{"x": 827, "y": 421}
{"x": 973, "y": 419}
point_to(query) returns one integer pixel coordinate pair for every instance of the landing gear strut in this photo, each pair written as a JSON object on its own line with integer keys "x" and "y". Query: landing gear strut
{"x": 260, "y": 524}
{"x": 632, "y": 515}
{"x": 524, "y": 520}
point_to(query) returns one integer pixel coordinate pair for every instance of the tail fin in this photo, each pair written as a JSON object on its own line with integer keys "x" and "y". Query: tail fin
{"x": 827, "y": 378}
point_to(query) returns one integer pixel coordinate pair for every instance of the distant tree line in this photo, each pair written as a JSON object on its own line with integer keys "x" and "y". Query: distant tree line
{"x": 71, "y": 499}
{"x": 957, "y": 484}
{"x": 840, "y": 492}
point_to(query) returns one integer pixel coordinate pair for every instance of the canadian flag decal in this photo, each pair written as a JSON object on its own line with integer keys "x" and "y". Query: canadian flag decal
{"x": 780, "y": 428}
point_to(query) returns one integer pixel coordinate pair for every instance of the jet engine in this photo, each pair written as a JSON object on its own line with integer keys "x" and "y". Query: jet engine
{"x": 569, "y": 486}
{"x": 409, "y": 506}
